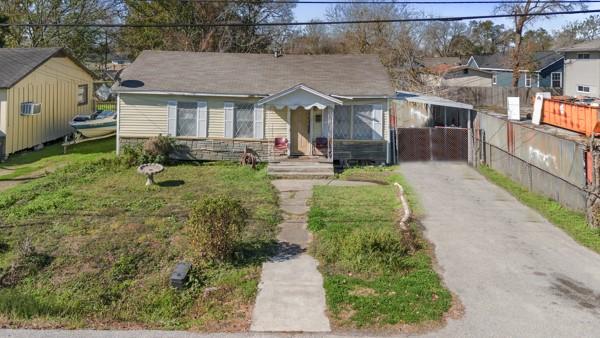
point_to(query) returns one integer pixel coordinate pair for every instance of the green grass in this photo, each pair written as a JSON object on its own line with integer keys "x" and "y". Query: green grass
{"x": 572, "y": 222}
{"x": 371, "y": 278}
{"x": 52, "y": 156}
{"x": 113, "y": 243}
{"x": 384, "y": 175}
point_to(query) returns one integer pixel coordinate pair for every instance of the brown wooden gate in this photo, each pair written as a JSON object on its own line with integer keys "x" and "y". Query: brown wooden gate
{"x": 432, "y": 144}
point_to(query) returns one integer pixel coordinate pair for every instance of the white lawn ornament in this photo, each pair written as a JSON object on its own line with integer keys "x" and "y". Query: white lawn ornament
{"x": 150, "y": 169}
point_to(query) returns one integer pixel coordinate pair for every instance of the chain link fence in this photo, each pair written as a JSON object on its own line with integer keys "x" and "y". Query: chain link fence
{"x": 432, "y": 144}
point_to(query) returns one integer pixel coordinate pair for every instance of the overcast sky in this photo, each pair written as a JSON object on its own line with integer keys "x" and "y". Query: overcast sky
{"x": 306, "y": 12}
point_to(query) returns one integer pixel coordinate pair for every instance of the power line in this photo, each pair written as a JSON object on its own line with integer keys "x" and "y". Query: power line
{"x": 392, "y": 2}
{"x": 401, "y": 2}
{"x": 306, "y": 23}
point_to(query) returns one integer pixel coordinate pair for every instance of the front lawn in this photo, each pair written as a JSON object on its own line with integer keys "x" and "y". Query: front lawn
{"x": 90, "y": 246}
{"x": 51, "y": 156}
{"x": 372, "y": 280}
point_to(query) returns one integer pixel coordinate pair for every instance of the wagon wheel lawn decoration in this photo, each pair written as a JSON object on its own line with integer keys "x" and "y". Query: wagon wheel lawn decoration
{"x": 248, "y": 158}
{"x": 149, "y": 170}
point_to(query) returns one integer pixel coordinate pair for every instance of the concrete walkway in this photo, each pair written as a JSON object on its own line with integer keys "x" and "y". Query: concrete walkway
{"x": 516, "y": 274}
{"x": 291, "y": 297}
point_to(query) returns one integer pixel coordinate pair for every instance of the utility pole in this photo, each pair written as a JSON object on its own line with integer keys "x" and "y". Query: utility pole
{"x": 105, "y": 50}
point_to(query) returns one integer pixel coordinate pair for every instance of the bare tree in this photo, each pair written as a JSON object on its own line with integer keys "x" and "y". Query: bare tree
{"x": 397, "y": 44}
{"x": 524, "y": 14}
{"x": 441, "y": 37}
{"x": 578, "y": 31}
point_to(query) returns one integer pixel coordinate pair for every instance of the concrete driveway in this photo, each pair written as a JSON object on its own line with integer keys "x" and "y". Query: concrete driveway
{"x": 516, "y": 274}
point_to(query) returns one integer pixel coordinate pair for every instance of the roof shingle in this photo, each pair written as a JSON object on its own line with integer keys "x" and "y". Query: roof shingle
{"x": 255, "y": 74}
{"x": 588, "y": 46}
{"x": 16, "y": 63}
{"x": 503, "y": 60}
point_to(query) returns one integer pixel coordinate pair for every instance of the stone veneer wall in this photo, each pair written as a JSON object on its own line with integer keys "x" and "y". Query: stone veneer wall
{"x": 217, "y": 149}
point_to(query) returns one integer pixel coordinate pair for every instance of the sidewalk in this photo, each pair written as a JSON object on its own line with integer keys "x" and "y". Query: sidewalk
{"x": 291, "y": 297}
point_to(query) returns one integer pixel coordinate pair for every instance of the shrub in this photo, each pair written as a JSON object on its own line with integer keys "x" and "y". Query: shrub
{"x": 154, "y": 150}
{"x": 159, "y": 148}
{"x": 216, "y": 225}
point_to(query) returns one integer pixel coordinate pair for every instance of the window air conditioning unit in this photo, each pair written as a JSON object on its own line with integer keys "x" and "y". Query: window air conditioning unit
{"x": 30, "y": 108}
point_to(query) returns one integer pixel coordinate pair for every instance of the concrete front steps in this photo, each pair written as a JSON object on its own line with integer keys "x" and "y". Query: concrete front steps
{"x": 300, "y": 169}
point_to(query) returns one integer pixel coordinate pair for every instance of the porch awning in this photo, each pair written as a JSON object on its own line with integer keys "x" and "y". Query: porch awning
{"x": 300, "y": 96}
{"x": 431, "y": 100}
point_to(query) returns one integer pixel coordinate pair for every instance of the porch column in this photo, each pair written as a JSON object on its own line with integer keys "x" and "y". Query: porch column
{"x": 289, "y": 130}
{"x": 332, "y": 129}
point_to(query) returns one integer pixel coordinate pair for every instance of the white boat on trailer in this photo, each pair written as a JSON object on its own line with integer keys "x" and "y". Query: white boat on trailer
{"x": 98, "y": 124}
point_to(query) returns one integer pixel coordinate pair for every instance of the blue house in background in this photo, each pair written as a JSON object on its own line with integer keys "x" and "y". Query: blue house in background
{"x": 549, "y": 71}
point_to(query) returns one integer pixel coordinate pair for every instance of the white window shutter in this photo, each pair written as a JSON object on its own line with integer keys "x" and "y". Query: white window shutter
{"x": 229, "y": 119}
{"x": 377, "y": 121}
{"x": 259, "y": 122}
{"x": 202, "y": 117}
{"x": 172, "y": 117}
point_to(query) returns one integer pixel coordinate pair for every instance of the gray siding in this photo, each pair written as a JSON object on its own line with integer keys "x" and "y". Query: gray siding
{"x": 582, "y": 72}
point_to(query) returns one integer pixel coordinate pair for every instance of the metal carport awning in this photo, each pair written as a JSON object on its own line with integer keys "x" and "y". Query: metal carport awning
{"x": 432, "y": 100}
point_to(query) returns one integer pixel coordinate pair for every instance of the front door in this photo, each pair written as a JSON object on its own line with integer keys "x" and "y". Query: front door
{"x": 300, "y": 132}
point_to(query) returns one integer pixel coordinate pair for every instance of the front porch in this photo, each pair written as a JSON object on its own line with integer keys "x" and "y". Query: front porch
{"x": 323, "y": 128}
{"x": 309, "y": 122}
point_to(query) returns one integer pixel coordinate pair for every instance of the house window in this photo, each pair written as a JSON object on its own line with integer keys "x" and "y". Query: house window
{"x": 30, "y": 108}
{"x": 342, "y": 122}
{"x": 527, "y": 80}
{"x": 362, "y": 122}
{"x": 556, "y": 80}
{"x": 187, "y": 114}
{"x": 244, "y": 120}
{"x": 583, "y": 56}
{"x": 82, "y": 94}
{"x": 583, "y": 89}
{"x": 494, "y": 78}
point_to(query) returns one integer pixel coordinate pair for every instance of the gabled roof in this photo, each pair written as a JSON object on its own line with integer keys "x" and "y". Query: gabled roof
{"x": 502, "y": 61}
{"x": 16, "y": 63}
{"x": 254, "y": 74}
{"x": 461, "y": 68}
{"x": 588, "y": 46}
{"x": 436, "y": 61}
{"x": 297, "y": 88}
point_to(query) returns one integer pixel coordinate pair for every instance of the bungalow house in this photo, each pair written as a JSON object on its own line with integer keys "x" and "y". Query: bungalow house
{"x": 216, "y": 105}
{"x": 41, "y": 89}
{"x": 545, "y": 71}
{"x": 582, "y": 69}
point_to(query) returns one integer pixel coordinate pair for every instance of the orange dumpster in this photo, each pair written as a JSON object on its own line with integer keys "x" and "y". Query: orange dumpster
{"x": 577, "y": 117}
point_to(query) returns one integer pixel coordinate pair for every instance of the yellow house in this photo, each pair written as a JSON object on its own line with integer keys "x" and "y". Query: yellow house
{"x": 331, "y": 108}
{"x": 41, "y": 90}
